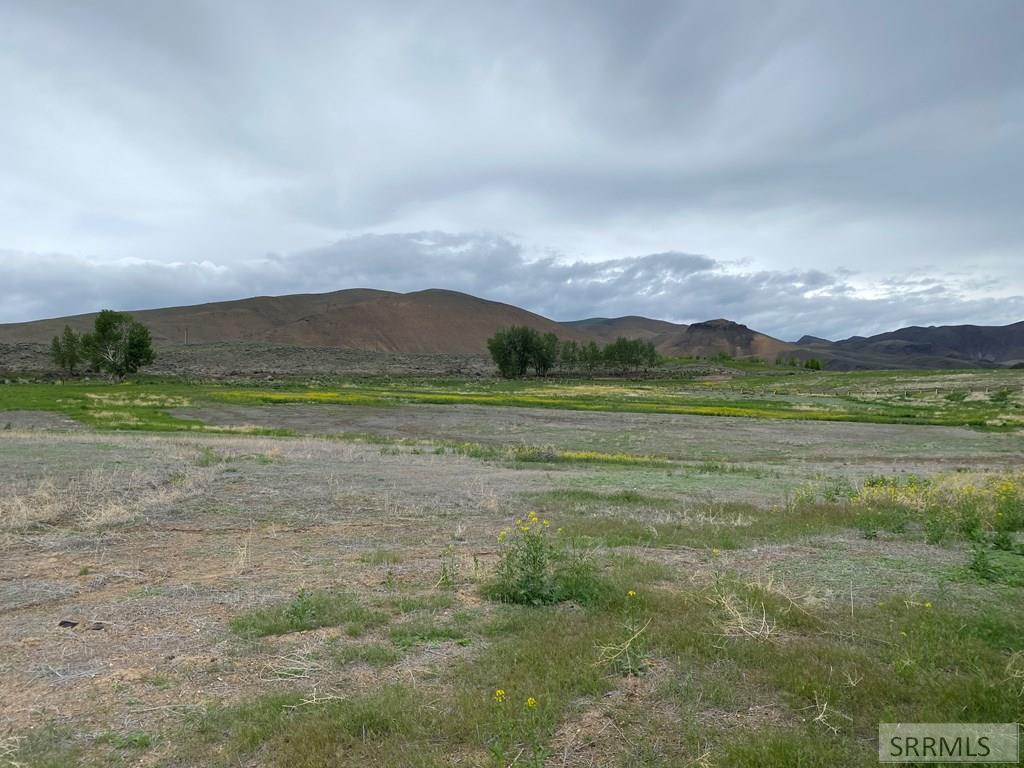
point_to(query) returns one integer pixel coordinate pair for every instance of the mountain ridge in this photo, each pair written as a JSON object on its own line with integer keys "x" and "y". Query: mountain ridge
{"x": 440, "y": 321}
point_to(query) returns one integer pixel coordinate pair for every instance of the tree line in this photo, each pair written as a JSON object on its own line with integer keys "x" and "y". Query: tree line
{"x": 519, "y": 349}
{"x": 118, "y": 345}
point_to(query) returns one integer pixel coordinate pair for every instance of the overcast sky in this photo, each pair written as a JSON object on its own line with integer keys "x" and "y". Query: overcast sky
{"x": 825, "y": 168}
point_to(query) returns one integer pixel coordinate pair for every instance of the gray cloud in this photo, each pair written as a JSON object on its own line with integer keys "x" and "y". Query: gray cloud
{"x": 791, "y": 137}
{"x": 673, "y": 286}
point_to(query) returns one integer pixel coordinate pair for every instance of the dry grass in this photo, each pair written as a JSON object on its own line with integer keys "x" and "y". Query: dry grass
{"x": 95, "y": 499}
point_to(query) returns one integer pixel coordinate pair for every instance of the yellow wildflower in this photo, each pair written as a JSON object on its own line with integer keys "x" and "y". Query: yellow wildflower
{"x": 499, "y": 695}
{"x": 502, "y": 535}
{"x": 716, "y": 552}
{"x": 631, "y": 593}
{"x": 547, "y": 523}
{"x": 927, "y": 604}
{"x": 531, "y": 702}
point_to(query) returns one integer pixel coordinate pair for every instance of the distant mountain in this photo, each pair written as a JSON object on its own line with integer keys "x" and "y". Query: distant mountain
{"x": 448, "y": 322}
{"x": 944, "y": 346}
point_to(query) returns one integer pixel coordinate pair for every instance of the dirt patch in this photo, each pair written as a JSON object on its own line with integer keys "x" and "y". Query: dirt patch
{"x": 850, "y": 448}
{"x": 17, "y": 420}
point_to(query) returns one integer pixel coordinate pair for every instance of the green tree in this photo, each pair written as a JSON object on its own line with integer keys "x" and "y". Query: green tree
{"x": 649, "y": 355}
{"x": 591, "y": 356}
{"x": 66, "y": 350}
{"x": 118, "y": 344}
{"x": 623, "y": 354}
{"x": 568, "y": 355}
{"x": 812, "y": 364}
{"x": 544, "y": 354}
{"x": 513, "y": 349}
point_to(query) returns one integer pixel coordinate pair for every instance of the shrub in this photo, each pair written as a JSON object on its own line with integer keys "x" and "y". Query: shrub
{"x": 525, "y": 572}
{"x": 536, "y": 568}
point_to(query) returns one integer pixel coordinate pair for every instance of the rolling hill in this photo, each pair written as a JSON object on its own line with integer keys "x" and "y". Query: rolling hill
{"x": 438, "y": 321}
{"x": 607, "y": 329}
{"x": 431, "y": 321}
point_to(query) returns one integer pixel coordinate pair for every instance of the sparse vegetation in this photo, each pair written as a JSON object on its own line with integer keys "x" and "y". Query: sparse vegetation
{"x": 721, "y": 592}
{"x": 309, "y": 609}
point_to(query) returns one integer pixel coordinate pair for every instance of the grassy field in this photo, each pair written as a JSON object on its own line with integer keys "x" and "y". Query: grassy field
{"x": 433, "y": 573}
{"x": 983, "y": 399}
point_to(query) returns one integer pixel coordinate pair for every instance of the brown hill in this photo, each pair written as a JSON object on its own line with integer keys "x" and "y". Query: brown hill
{"x": 422, "y": 322}
{"x": 448, "y": 322}
{"x": 721, "y": 337}
{"x": 608, "y": 329}
{"x": 238, "y": 320}
{"x": 426, "y": 321}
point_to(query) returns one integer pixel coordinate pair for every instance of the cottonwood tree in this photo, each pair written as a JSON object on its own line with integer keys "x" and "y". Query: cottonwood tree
{"x": 66, "y": 350}
{"x": 544, "y": 354}
{"x": 118, "y": 344}
{"x": 512, "y": 349}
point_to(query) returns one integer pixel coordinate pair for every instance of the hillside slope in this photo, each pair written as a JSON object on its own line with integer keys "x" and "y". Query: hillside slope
{"x": 431, "y": 321}
{"x": 608, "y": 329}
{"x": 721, "y": 337}
{"x": 238, "y": 320}
{"x": 438, "y": 321}
{"x": 944, "y": 346}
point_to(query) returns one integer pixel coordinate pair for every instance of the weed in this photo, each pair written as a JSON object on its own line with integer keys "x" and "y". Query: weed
{"x": 131, "y": 740}
{"x": 381, "y": 557}
{"x": 433, "y": 601}
{"x": 208, "y": 457}
{"x": 525, "y": 572}
{"x": 629, "y": 656}
{"x": 413, "y": 633}
{"x": 449, "y": 577}
{"x": 373, "y": 654}
{"x": 981, "y": 564}
{"x": 519, "y": 737}
{"x": 308, "y": 610}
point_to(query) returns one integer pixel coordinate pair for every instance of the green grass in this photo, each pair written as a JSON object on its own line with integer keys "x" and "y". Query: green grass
{"x": 308, "y": 610}
{"x": 373, "y": 654}
{"x": 130, "y": 740}
{"x": 826, "y": 676}
{"x": 714, "y": 526}
{"x": 915, "y": 397}
{"x": 431, "y": 601}
{"x": 426, "y": 631}
{"x": 391, "y": 726}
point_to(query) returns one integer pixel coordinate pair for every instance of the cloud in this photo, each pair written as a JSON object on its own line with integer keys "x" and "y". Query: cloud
{"x": 674, "y": 286}
{"x": 794, "y": 135}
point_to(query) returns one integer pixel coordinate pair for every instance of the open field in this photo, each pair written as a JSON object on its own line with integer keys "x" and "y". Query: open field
{"x": 989, "y": 399}
{"x": 322, "y": 576}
